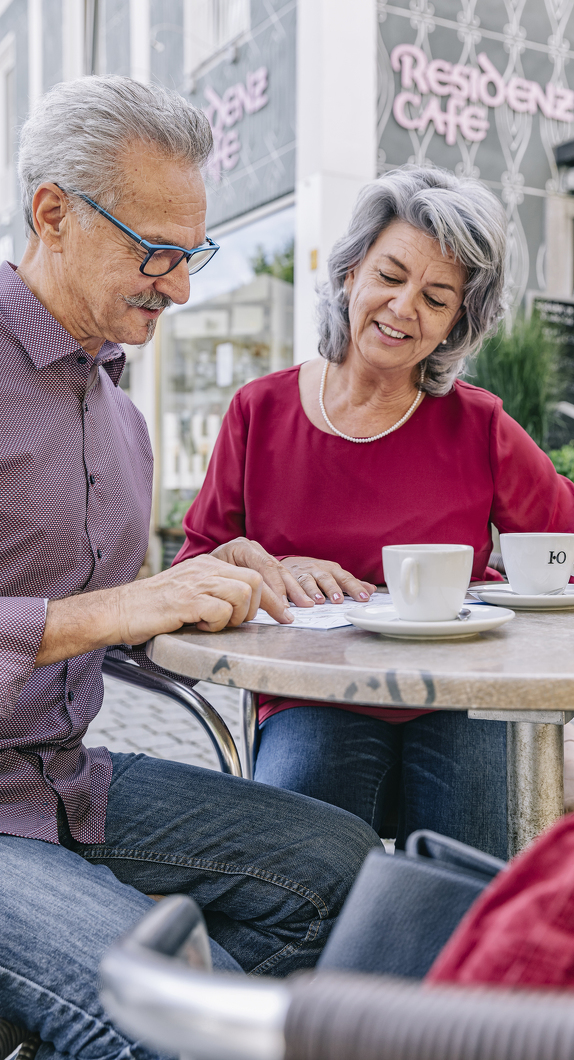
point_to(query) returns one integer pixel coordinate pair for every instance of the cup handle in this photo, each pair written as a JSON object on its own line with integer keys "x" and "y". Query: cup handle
{"x": 409, "y": 580}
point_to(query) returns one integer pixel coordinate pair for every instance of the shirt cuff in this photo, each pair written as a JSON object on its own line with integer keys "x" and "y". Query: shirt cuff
{"x": 22, "y": 622}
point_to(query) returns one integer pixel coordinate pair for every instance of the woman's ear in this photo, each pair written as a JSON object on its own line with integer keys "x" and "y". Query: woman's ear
{"x": 349, "y": 281}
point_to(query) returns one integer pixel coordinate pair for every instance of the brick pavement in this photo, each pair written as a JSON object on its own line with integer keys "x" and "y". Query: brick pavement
{"x": 132, "y": 719}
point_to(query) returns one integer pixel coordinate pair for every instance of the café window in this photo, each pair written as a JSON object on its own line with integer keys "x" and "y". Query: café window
{"x": 211, "y": 25}
{"x": 7, "y": 124}
{"x": 237, "y": 326}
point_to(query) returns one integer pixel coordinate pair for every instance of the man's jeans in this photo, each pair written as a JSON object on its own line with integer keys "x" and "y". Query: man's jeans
{"x": 443, "y": 771}
{"x": 270, "y": 870}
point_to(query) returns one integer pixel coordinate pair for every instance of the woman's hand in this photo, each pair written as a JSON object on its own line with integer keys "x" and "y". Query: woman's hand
{"x": 279, "y": 585}
{"x": 321, "y": 579}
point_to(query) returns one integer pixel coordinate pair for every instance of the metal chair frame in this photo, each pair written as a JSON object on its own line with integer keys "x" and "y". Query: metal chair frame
{"x": 248, "y": 719}
{"x": 125, "y": 669}
{"x": 186, "y": 1010}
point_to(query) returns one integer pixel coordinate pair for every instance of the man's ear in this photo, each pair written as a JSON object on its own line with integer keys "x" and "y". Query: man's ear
{"x": 49, "y": 210}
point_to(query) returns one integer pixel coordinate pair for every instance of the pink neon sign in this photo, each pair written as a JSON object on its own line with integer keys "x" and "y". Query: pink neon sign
{"x": 225, "y": 111}
{"x": 471, "y": 91}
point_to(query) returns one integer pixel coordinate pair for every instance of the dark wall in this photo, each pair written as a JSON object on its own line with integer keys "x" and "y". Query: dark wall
{"x": 265, "y": 163}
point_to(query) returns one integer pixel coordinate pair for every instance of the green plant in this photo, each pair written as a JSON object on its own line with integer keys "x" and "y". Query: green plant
{"x": 178, "y": 509}
{"x": 563, "y": 460}
{"x": 280, "y": 265}
{"x": 520, "y": 367}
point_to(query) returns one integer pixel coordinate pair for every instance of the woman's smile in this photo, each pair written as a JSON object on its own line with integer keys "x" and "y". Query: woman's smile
{"x": 390, "y": 336}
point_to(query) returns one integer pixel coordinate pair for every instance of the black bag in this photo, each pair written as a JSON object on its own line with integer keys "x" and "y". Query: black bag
{"x": 402, "y": 908}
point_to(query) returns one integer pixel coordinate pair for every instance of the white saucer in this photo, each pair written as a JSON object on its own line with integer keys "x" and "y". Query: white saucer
{"x": 382, "y": 618}
{"x": 503, "y": 595}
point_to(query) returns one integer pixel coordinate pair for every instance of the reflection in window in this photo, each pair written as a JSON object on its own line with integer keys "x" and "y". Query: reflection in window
{"x": 237, "y": 326}
{"x": 7, "y": 127}
{"x": 212, "y": 24}
{"x": 9, "y": 117}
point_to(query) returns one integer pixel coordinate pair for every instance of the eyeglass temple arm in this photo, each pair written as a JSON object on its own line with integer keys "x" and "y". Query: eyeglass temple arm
{"x": 150, "y": 247}
{"x": 108, "y": 216}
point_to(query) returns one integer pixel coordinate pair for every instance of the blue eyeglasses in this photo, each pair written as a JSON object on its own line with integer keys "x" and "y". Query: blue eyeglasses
{"x": 161, "y": 258}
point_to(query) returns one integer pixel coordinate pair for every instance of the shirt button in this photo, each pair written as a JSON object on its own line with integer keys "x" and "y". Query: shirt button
{"x": 92, "y": 480}
{"x": 85, "y": 408}
{"x": 71, "y": 696}
{"x": 82, "y": 360}
{"x": 99, "y": 553}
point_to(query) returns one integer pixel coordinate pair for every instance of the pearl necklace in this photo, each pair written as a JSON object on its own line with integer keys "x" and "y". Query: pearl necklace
{"x": 375, "y": 437}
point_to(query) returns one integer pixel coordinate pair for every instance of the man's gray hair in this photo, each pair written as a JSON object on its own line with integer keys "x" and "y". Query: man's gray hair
{"x": 463, "y": 216}
{"x": 77, "y": 133}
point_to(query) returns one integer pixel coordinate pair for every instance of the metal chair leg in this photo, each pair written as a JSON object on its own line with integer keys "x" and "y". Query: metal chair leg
{"x": 214, "y": 725}
{"x": 248, "y": 714}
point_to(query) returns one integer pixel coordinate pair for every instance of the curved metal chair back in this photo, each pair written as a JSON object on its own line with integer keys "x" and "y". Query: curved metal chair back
{"x": 119, "y": 665}
{"x": 157, "y": 988}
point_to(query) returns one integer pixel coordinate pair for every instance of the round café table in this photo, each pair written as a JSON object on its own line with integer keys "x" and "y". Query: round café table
{"x": 522, "y": 673}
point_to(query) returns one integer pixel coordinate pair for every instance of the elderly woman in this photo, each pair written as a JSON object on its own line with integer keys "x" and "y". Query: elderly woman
{"x": 378, "y": 442}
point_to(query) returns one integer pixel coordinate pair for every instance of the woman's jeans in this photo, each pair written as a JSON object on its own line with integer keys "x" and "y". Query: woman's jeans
{"x": 269, "y": 869}
{"x": 443, "y": 771}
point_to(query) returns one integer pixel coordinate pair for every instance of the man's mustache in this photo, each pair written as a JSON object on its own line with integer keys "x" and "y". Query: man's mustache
{"x": 148, "y": 300}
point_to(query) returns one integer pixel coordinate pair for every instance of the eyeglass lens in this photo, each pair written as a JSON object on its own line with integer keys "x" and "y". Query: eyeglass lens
{"x": 163, "y": 261}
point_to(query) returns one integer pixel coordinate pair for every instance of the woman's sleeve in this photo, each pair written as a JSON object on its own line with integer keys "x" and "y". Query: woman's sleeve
{"x": 22, "y": 621}
{"x": 217, "y": 514}
{"x": 529, "y": 495}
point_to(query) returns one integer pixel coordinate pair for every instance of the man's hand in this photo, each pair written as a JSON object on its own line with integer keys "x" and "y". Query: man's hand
{"x": 204, "y": 591}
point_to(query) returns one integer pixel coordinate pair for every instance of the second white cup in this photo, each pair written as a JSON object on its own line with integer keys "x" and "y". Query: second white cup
{"x": 428, "y": 583}
{"x": 538, "y": 564}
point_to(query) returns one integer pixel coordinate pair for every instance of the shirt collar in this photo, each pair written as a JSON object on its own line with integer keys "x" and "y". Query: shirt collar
{"x": 43, "y": 338}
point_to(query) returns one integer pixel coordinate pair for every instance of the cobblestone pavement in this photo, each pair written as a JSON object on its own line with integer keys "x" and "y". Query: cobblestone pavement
{"x": 134, "y": 720}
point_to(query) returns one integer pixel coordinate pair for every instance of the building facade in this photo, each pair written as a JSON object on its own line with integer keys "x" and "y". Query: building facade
{"x": 485, "y": 89}
{"x": 308, "y": 100}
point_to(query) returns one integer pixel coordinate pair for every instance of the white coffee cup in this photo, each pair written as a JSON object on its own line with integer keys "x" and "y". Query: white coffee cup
{"x": 537, "y": 564}
{"x": 428, "y": 583}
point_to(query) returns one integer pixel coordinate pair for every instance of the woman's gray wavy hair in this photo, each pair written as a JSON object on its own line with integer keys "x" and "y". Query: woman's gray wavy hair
{"x": 77, "y": 133}
{"x": 463, "y": 216}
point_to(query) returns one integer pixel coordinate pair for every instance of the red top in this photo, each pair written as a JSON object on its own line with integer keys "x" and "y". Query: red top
{"x": 457, "y": 464}
{"x": 520, "y": 932}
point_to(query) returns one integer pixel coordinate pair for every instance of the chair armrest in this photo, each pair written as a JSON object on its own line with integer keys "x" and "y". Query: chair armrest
{"x": 364, "y": 1017}
{"x": 118, "y": 665}
{"x": 153, "y": 996}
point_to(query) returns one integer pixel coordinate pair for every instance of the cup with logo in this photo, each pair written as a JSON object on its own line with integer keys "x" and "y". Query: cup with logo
{"x": 538, "y": 564}
{"x": 427, "y": 583}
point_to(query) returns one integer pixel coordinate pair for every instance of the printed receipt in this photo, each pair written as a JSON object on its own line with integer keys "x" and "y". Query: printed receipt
{"x": 321, "y": 616}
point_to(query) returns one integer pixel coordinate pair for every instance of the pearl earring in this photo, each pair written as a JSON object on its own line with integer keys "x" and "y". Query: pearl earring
{"x": 443, "y": 343}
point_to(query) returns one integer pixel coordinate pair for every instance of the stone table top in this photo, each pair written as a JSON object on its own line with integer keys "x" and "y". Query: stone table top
{"x": 527, "y": 664}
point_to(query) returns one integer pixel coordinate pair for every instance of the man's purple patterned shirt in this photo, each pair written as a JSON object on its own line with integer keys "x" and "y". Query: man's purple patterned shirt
{"x": 75, "y": 497}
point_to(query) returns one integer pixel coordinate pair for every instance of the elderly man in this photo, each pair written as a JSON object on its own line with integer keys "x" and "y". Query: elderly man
{"x": 115, "y": 205}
